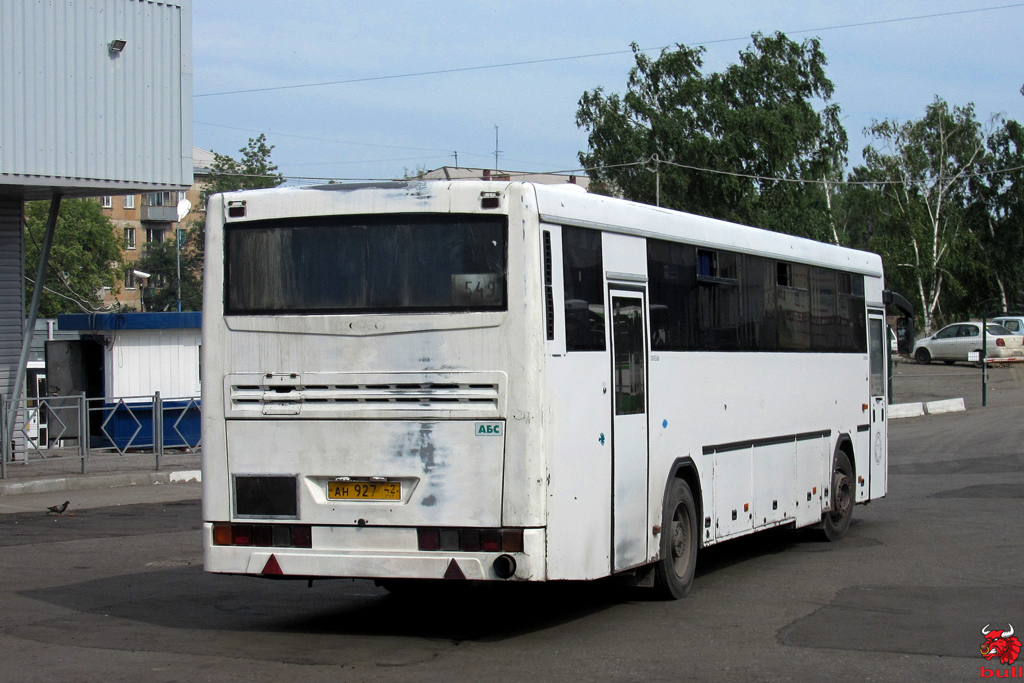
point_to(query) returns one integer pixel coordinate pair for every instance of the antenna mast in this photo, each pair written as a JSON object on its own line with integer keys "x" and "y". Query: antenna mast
{"x": 496, "y": 151}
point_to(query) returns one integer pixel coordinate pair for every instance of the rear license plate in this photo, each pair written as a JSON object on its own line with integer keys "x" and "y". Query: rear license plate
{"x": 364, "y": 490}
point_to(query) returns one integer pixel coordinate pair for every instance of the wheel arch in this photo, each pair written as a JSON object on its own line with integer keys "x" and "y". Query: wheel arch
{"x": 685, "y": 469}
{"x": 844, "y": 444}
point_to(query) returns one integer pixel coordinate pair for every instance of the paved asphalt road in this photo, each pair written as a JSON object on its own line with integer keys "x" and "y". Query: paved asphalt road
{"x": 114, "y": 591}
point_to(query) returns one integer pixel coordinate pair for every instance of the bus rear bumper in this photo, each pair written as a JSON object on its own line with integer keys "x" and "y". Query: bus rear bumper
{"x": 374, "y": 564}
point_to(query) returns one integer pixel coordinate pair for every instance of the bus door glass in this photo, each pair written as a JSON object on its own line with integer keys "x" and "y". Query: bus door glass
{"x": 629, "y": 430}
{"x": 877, "y": 343}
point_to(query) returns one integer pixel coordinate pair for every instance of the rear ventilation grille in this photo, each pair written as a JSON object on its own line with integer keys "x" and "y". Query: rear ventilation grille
{"x": 334, "y": 398}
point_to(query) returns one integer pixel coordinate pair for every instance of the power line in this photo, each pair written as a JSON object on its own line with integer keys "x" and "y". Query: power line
{"x": 548, "y": 60}
{"x": 316, "y": 139}
{"x": 648, "y": 161}
{"x": 753, "y": 176}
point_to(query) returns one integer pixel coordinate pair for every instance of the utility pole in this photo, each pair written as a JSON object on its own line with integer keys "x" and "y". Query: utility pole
{"x": 496, "y": 151}
{"x": 456, "y": 155}
{"x": 657, "y": 181}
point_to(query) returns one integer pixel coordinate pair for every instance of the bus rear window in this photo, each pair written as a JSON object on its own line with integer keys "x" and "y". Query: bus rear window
{"x": 365, "y": 264}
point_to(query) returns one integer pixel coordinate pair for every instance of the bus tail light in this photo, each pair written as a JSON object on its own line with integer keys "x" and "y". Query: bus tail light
{"x": 302, "y": 536}
{"x": 263, "y": 535}
{"x": 428, "y": 539}
{"x": 512, "y": 540}
{"x": 490, "y": 540}
{"x": 241, "y": 534}
{"x": 470, "y": 540}
{"x": 222, "y": 534}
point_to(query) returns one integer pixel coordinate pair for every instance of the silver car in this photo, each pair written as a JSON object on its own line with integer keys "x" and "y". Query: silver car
{"x": 1014, "y": 323}
{"x": 957, "y": 342}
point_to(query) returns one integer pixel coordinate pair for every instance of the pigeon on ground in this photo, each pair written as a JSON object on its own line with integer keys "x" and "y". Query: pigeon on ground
{"x": 59, "y": 509}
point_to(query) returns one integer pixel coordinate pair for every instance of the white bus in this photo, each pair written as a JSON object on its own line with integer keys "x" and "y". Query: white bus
{"x": 507, "y": 381}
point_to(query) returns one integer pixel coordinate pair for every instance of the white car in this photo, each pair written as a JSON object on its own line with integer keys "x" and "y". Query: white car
{"x": 957, "y": 341}
{"x": 1014, "y": 323}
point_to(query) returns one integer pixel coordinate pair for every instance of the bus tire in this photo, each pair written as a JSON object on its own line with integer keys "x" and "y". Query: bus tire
{"x": 922, "y": 356}
{"x": 673, "y": 574}
{"x": 837, "y": 520}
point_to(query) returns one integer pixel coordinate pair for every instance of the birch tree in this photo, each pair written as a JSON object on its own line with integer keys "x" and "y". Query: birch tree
{"x": 761, "y": 122}
{"x": 923, "y": 170}
{"x": 997, "y": 220}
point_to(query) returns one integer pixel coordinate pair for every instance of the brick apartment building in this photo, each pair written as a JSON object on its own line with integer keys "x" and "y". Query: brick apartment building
{"x": 151, "y": 217}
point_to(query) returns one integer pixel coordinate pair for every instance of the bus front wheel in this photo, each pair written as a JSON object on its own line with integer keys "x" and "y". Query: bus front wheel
{"x": 837, "y": 520}
{"x": 673, "y": 574}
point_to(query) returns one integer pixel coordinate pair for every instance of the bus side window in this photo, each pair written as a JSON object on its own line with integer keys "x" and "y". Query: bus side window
{"x": 583, "y": 278}
{"x": 672, "y": 270}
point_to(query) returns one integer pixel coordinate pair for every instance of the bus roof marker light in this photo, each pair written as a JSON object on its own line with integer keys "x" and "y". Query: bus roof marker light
{"x": 236, "y": 208}
{"x": 490, "y": 200}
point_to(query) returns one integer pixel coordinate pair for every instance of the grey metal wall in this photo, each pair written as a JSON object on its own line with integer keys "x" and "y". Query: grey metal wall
{"x": 12, "y": 292}
{"x": 74, "y": 114}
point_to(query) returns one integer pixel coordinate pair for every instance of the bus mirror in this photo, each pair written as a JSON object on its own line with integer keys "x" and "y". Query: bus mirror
{"x": 905, "y": 335}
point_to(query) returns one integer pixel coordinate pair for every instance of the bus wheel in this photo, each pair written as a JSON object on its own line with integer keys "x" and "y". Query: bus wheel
{"x": 673, "y": 574}
{"x": 837, "y": 520}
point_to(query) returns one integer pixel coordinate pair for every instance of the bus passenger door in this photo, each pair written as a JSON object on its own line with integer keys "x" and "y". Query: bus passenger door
{"x": 629, "y": 430}
{"x": 877, "y": 343}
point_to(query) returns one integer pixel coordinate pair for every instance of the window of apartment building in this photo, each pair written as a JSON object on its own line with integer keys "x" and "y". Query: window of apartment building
{"x": 161, "y": 198}
{"x": 129, "y": 238}
{"x": 129, "y": 278}
{"x": 129, "y": 201}
{"x": 155, "y": 235}
{"x": 106, "y": 201}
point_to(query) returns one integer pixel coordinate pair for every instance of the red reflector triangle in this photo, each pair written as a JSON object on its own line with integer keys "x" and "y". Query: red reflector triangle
{"x": 272, "y": 567}
{"x": 454, "y": 571}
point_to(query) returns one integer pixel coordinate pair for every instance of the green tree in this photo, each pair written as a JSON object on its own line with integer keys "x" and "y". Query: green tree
{"x": 996, "y": 217}
{"x": 769, "y": 116}
{"x": 161, "y": 261}
{"x": 253, "y": 170}
{"x": 921, "y": 173}
{"x": 85, "y": 256}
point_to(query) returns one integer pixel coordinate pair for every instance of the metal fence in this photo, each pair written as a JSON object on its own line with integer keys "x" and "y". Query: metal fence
{"x": 999, "y": 380}
{"x": 70, "y": 427}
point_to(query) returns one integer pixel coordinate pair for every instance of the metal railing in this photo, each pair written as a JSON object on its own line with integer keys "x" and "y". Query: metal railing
{"x": 68, "y": 427}
{"x": 977, "y": 383}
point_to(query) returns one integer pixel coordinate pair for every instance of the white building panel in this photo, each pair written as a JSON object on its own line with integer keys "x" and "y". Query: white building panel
{"x": 141, "y": 362}
{"x": 79, "y": 114}
{"x": 12, "y": 297}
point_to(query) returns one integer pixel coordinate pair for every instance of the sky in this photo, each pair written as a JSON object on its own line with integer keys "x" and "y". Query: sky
{"x": 886, "y": 60}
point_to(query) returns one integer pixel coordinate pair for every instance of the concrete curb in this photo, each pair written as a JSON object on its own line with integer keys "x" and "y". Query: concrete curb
{"x": 97, "y": 481}
{"x": 952, "y": 405}
{"x": 898, "y": 410}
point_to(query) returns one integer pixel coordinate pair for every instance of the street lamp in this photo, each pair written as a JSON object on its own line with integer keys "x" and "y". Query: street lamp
{"x": 184, "y": 206}
{"x": 144, "y": 276}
